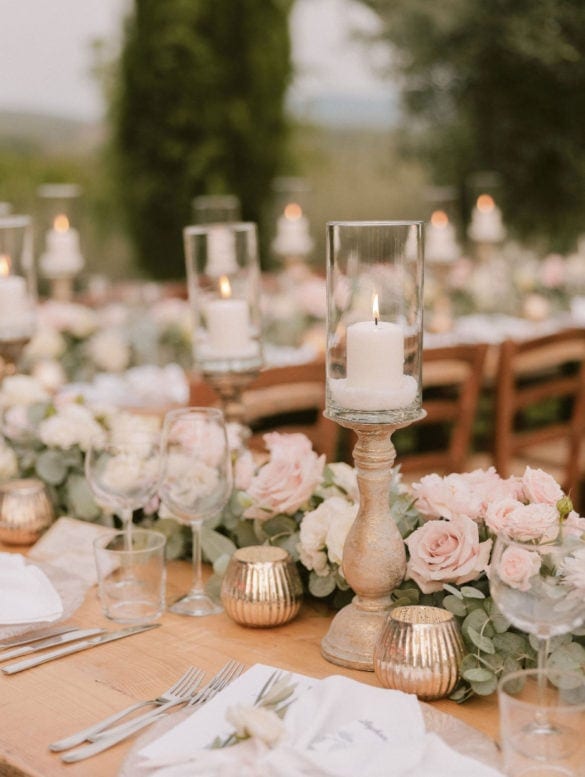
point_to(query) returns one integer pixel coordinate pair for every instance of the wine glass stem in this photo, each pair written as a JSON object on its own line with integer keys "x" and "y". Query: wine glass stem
{"x": 542, "y": 654}
{"x": 197, "y": 587}
{"x": 126, "y": 517}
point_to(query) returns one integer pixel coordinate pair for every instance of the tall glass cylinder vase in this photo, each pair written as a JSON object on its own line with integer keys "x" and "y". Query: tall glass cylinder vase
{"x": 58, "y": 224}
{"x": 374, "y": 346}
{"x": 18, "y": 290}
{"x": 223, "y": 276}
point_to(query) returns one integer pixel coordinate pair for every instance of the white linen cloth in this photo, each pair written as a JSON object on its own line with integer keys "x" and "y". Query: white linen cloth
{"x": 336, "y": 727}
{"x": 26, "y": 593}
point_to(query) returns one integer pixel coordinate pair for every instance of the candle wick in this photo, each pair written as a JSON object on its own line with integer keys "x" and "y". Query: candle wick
{"x": 376, "y": 320}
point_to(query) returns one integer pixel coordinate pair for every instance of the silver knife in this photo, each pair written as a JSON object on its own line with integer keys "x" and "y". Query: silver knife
{"x": 109, "y": 636}
{"x": 61, "y": 639}
{"x": 33, "y": 636}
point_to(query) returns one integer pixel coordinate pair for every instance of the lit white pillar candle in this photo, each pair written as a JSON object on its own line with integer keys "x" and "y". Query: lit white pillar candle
{"x": 16, "y": 308}
{"x": 228, "y": 326}
{"x": 292, "y": 233}
{"x": 375, "y": 378}
{"x": 62, "y": 256}
{"x": 486, "y": 221}
{"x": 440, "y": 240}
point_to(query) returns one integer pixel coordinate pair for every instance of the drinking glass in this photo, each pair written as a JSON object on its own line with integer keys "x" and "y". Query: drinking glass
{"x": 539, "y": 586}
{"x": 122, "y": 470}
{"x": 195, "y": 484}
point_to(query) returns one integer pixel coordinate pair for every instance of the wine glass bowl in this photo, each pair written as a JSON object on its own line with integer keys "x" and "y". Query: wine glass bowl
{"x": 195, "y": 484}
{"x": 123, "y": 471}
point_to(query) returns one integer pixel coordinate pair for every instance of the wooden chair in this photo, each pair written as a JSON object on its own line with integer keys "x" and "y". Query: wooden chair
{"x": 540, "y": 407}
{"x": 452, "y": 380}
{"x": 292, "y": 399}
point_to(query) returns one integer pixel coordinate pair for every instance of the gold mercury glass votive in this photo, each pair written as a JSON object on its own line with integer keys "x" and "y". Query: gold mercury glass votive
{"x": 25, "y": 511}
{"x": 419, "y": 651}
{"x": 261, "y": 587}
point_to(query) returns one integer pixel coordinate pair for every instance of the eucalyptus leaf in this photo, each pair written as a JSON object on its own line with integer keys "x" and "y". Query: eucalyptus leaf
{"x": 321, "y": 586}
{"x": 80, "y": 499}
{"x": 472, "y": 593}
{"x": 220, "y": 565}
{"x": 215, "y": 544}
{"x": 452, "y": 590}
{"x": 244, "y": 533}
{"x": 478, "y": 619}
{"x": 51, "y": 467}
{"x": 511, "y": 644}
{"x": 455, "y": 605}
{"x": 477, "y": 675}
{"x": 485, "y": 688}
{"x": 280, "y": 524}
{"x": 480, "y": 641}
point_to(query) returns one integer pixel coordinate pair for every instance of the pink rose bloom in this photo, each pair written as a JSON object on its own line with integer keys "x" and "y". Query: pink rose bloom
{"x": 539, "y": 486}
{"x": 498, "y": 512}
{"x": 457, "y": 494}
{"x": 574, "y": 524}
{"x": 446, "y": 552}
{"x": 533, "y": 522}
{"x": 517, "y": 566}
{"x": 288, "y": 479}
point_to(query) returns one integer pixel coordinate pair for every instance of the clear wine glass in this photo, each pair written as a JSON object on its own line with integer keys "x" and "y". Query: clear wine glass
{"x": 539, "y": 586}
{"x": 195, "y": 484}
{"x": 123, "y": 471}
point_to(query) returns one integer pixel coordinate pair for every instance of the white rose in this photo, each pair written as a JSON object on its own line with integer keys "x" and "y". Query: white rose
{"x": 50, "y": 374}
{"x": 323, "y": 533}
{"x": 256, "y": 722}
{"x": 345, "y": 477}
{"x": 47, "y": 343}
{"x": 21, "y": 390}
{"x": 72, "y": 425}
{"x": 109, "y": 351}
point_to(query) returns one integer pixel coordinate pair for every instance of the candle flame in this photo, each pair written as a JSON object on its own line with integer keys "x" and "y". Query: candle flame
{"x": 225, "y": 288}
{"x": 375, "y": 309}
{"x": 293, "y": 212}
{"x": 61, "y": 223}
{"x": 439, "y": 219}
{"x": 4, "y": 265}
{"x": 485, "y": 203}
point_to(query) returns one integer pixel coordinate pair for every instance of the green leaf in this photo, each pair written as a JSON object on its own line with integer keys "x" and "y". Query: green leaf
{"x": 472, "y": 593}
{"x": 80, "y": 500}
{"x": 477, "y": 675}
{"x": 511, "y": 644}
{"x": 569, "y": 657}
{"x": 485, "y": 688}
{"x": 177, "y": 537}
{"x": 221, "y": 564}
{"x": 290, "y": 544}
{"x": 478, "y": 619}
{"x": 244, "y": 533}
{"x": 321, "y": 586}
{"x": 452, "y": 590}
{"x": 483, "y": 643}
{"x": 455, "y": 605}
{"x": 51, "y": 467}
{"x": 215, "y": 544}
{"x": 280, "y": 524}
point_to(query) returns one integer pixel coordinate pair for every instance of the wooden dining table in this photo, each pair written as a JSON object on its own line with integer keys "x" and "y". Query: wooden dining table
{"x": 54, "y": 700}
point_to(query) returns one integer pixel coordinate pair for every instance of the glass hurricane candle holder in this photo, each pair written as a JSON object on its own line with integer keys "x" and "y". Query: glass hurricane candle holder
{"x": 61, "y": 259}
{"x": 216, "y": 209}
{"x": 374, "y": 340}
{"x": 18, "y": 291}
{"x": 223, "y": 276}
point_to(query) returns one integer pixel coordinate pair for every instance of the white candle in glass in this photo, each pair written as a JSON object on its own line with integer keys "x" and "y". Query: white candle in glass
{"x": 63, "y": 256}
{"x": 440, "y": 239}
{"x": 375, "y": 378}
{"x": 228, "y": 326}
{"x": 486, "y": 221}
{"x": 292, "y": 233}
{"x": 16, "y": 309}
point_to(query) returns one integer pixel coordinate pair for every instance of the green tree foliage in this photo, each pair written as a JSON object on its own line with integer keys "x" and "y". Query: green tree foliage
{"x": 499, "y": 85}
{"x": 199, "y": 110}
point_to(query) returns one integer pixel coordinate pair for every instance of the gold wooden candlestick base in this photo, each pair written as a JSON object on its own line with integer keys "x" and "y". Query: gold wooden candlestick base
{"x": 374, "y": 558}
{"x": 10, "y": 353}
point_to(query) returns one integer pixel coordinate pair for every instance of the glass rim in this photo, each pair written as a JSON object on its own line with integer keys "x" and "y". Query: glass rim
{"x": 381, "y": 223}
{"x": 15, "y": 220}
{"x": 534, "y": 673}
{"x": 203, "y": 229}
{"x": 106, "y": 538}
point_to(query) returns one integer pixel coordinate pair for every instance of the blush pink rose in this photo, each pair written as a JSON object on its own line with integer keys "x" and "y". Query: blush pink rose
{"x": 457, "y": 494}
{"x": 517, "y": 566}
{"x": 533, "y": 522}
{"x": 574, "y": 524}
{"x": 498, "y": 512}
{"x": 539, "y": 486}
{"x": 287, "y": 481}
{"x": 446, "y": 552}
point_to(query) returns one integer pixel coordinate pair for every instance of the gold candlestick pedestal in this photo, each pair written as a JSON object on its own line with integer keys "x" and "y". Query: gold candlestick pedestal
{"x": 374, "y": 558}
{"x": 10, "y": 353}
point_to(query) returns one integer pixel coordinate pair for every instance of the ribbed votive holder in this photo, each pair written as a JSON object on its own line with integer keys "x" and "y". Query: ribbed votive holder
{"x": 261, "y": 587}
{"x": 25, "y": 511}
{"x": 419, "y": 651}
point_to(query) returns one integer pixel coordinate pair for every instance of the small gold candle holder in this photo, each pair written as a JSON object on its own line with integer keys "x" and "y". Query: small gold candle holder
{"x": 261, "y": 587}
{"x": 25, "y": 511}
{"x": 419, "y": 651}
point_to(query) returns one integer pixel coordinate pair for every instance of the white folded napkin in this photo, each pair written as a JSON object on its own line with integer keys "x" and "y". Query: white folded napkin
{"x": 26, "y": 593}
{"x": 336, "y": 728}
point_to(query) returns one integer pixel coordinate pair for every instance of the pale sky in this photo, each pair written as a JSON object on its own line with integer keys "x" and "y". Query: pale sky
{"x": 45, "y": 56}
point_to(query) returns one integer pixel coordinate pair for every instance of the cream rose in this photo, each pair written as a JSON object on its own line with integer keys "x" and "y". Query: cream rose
{"x": 286, "y": 482}
{"x": 446, "y": 552}
{"x": 539, "y": 486}
{"x": 497, "y": 514}
{"x": 256, "y": 722}
{"x": 8, "y": 462}
{"x": 517, "y": 566}
{"x": 533, "y": 522}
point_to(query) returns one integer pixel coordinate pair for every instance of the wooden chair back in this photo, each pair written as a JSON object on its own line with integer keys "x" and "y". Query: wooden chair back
{"x": 549, "y": 369}
{"x": 291, "y": 399}
{"x": 452, "y": 378}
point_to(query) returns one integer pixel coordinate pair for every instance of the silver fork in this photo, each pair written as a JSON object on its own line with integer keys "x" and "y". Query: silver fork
{"x": 224, "y": 677}
{"x": 185, "y": 684}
